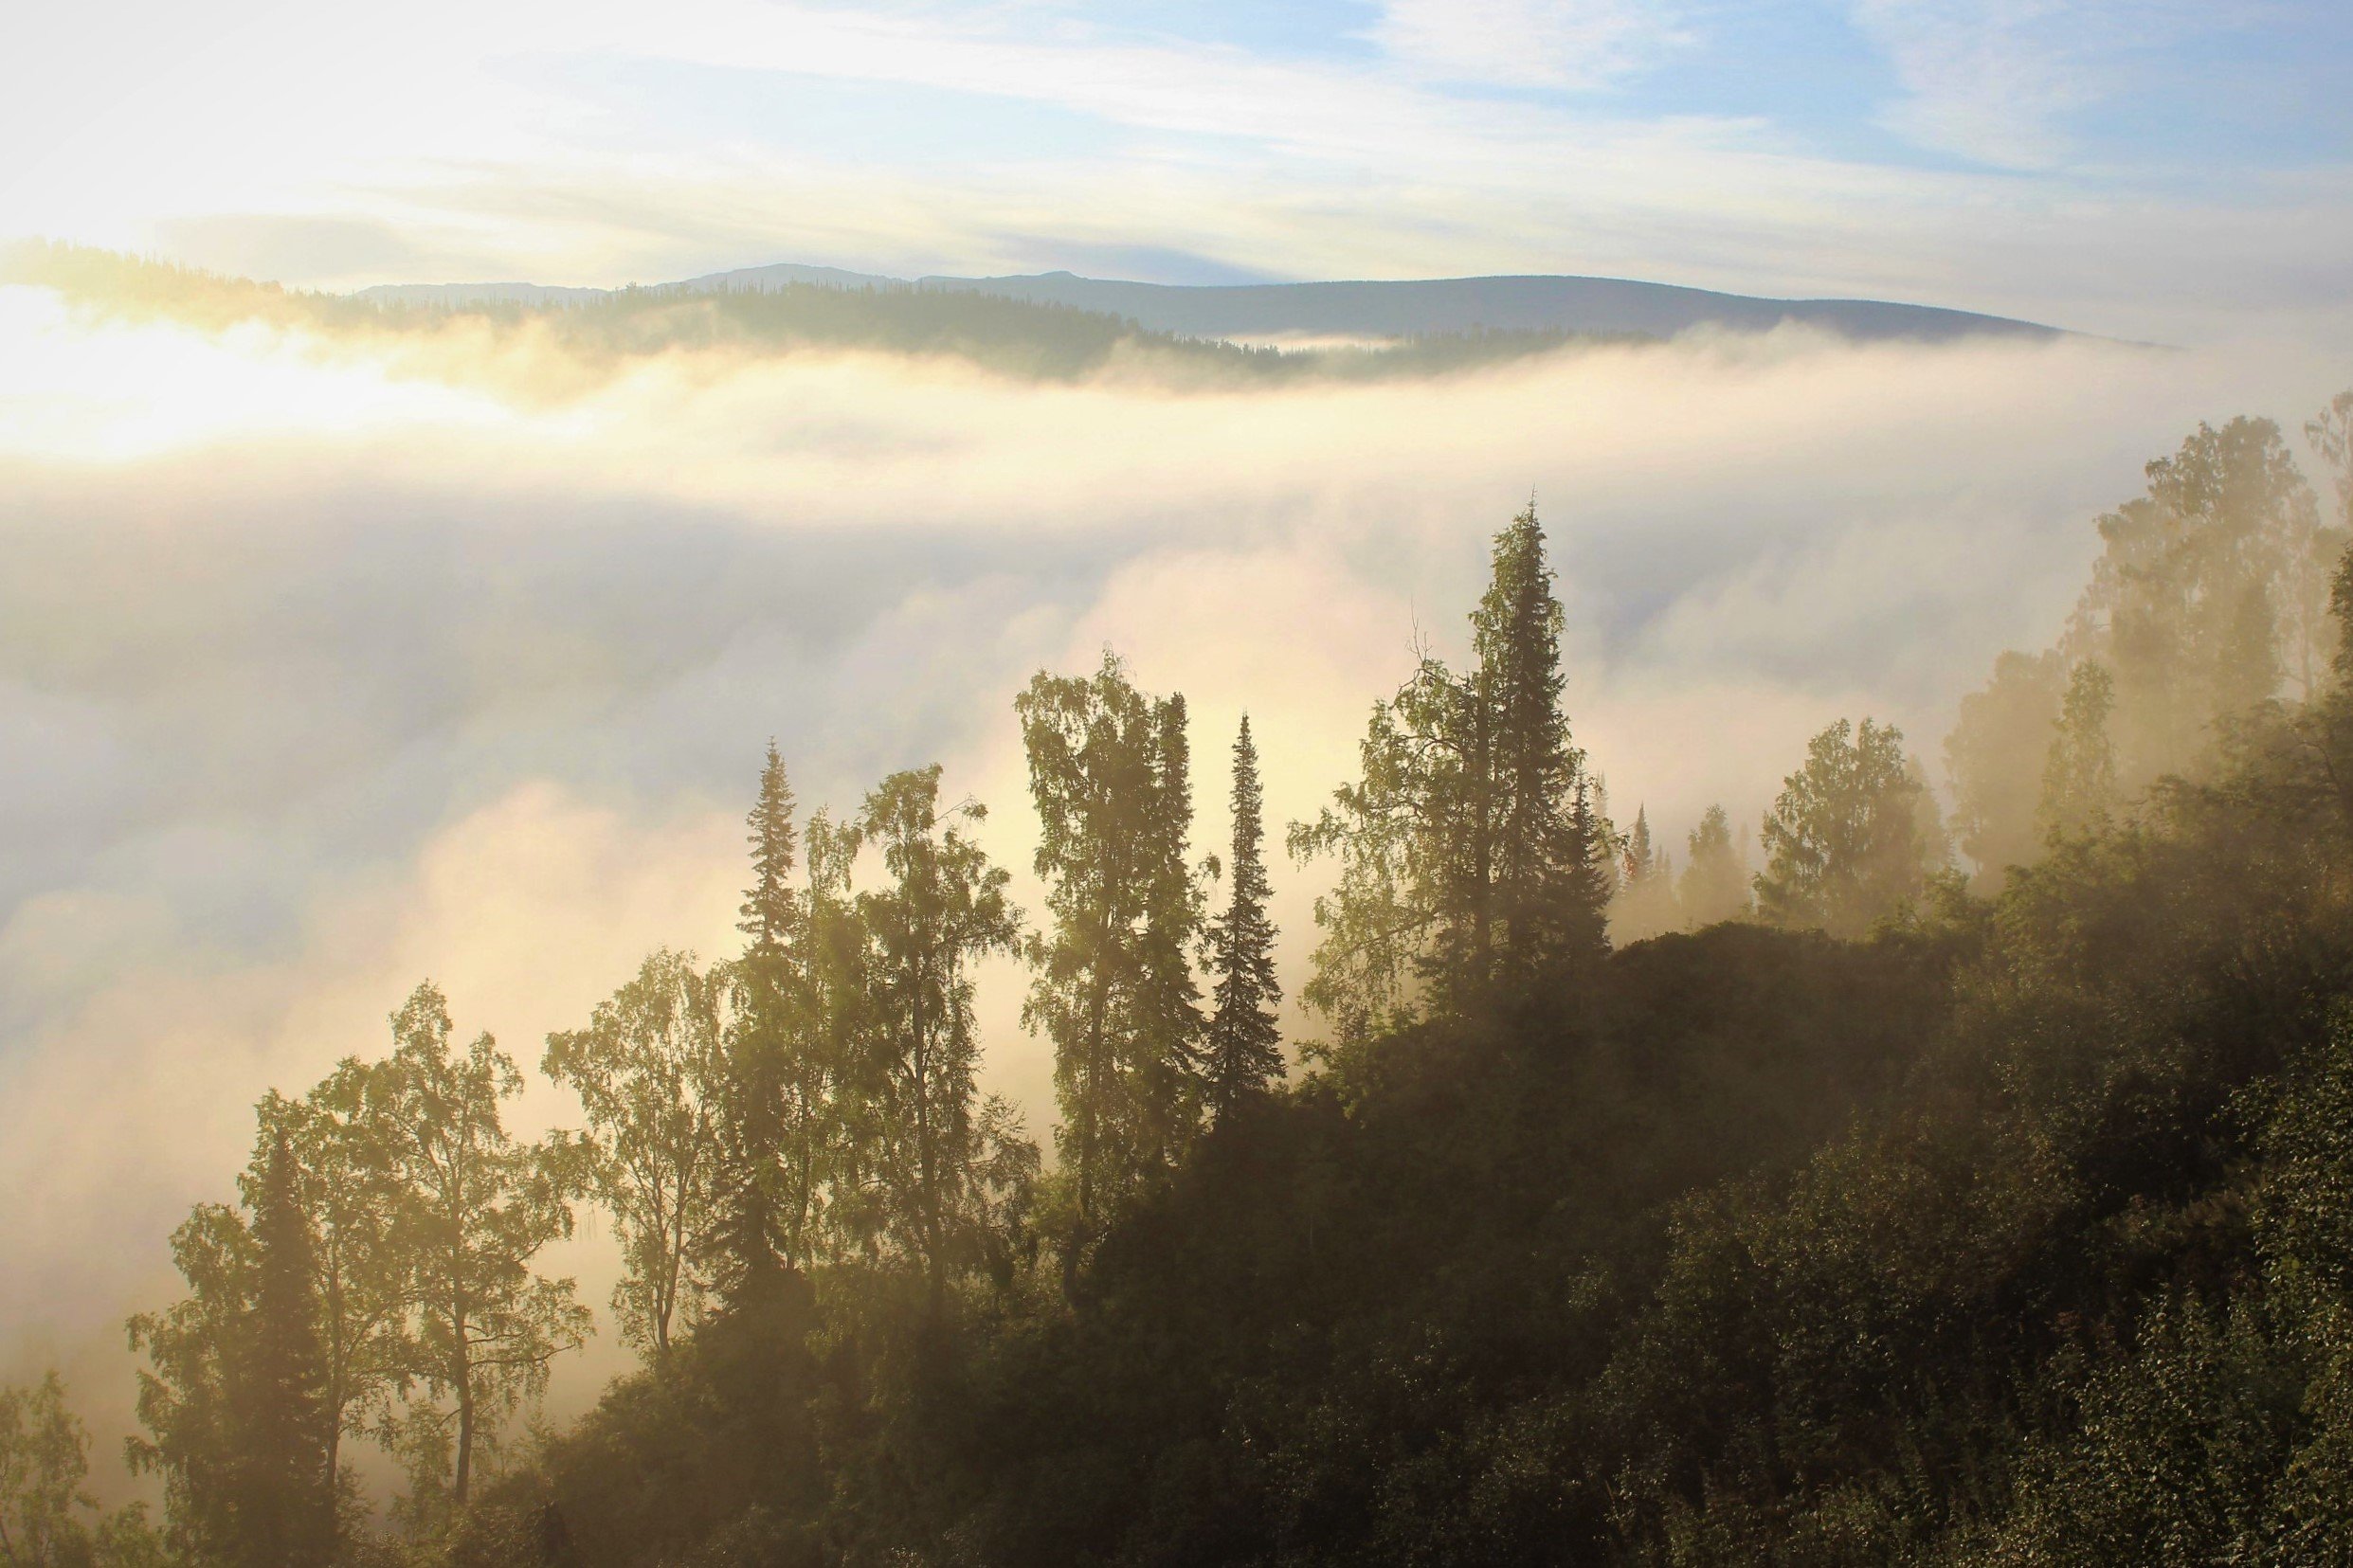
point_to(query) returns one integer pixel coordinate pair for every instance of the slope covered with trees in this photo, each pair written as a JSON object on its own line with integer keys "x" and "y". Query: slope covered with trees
{"x": 601, "y": 331}
{"x": 1875, "y": 1209}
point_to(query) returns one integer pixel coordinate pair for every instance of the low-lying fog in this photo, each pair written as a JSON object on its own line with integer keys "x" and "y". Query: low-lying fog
{"x": 317, "y": 679}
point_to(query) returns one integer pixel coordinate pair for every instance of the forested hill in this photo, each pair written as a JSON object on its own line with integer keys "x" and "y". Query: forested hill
{"x": 1856, "y": 1208}
{"x": 787, "y": 311}
{"x": 1373, "y": 310}
{"x": 1053, "y": 328}
{"x": 1413, "y": 307}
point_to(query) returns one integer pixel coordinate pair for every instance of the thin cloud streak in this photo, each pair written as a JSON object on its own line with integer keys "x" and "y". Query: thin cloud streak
{"x": 516, "y": 142}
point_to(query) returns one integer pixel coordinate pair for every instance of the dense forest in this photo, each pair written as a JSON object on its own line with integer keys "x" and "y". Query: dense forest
{"x": 1011, "y": 337}
{"x": 1966, "y": 1187}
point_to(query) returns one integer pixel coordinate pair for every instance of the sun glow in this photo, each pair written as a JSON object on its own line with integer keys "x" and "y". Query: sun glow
{"x": 78, "y": 388}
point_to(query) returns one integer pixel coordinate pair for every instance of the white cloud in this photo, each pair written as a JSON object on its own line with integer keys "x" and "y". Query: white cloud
{"x": 1570, "y": 44}
{"x": 320, "y": 146}
{"x": 310, "y": 708}
{"x": 1997, "y": 80}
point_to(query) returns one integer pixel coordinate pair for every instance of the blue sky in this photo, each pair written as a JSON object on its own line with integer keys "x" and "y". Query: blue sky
{"x": 2155, "y": 167}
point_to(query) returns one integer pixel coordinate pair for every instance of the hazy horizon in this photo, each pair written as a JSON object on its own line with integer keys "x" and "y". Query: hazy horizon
{"x": 339, "y": 654}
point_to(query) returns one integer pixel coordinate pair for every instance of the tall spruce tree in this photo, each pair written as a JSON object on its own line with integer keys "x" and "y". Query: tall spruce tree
{"x": 1107, "y": 771}
{"x": 285, "y": 1507}
{"x": 1475, "y": 850}
{"x": 1244, "y": 1048}
{"x": 774, "y": 1087}
{"x": 1550, "y": 884}
{"x": 1714, "y": 885}
{"x": 235, "y": 1396}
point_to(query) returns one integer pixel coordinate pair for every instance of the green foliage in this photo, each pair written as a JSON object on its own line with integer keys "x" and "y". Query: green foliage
{"x": 1474, "y": 853}
{"x": 651, "y": 1073}
{"x": 474, "y": 1208}
{"x": 936, "y": 1169}
{"x": 1714, "y": 886}
{"x": 2017, "y": 1230}
{"x": 1010, "y": 337}
{"x": 241, "y": 1394}
{"x": 347, "y": 1189}
{"x": 776, "y": 1125}
{"x": 1996, "y": 756}
{"x": 1113, "y": 990}
{"x": 1844, "y": 845}
{"x": 2211, "y": 588}
{"x": 2079, "y": 771}
{"x": 45, "y": 1455}
{"x": 285, "y": 1508}
{"x": 1243, "y": 1048}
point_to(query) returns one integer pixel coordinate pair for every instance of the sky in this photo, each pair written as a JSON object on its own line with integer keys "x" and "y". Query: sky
{"x": 2175, "y": 170}
{"x": 325, "y": 670}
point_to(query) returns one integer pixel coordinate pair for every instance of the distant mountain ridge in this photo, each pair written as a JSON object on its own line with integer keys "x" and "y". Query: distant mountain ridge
{"x": 1362, "y": 309}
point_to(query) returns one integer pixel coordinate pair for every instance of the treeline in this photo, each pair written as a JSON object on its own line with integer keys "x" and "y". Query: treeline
{"x": 1012, "y": 337}
{"x": 1875, "y": 1212}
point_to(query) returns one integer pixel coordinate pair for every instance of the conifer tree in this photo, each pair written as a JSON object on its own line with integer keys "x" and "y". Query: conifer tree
{"x": 235, "y": 1396}
{"x": 1714, "y": 885}
{"x": 777, "y": 1122}
{"x": 284, "y": 1506}
{"x": 1107, "y": 770}
{"x": 1474, "y": 849}
{"x": 1646, "y": 904}
{"x": 1244, "y": 1048}
{"x": 772, "y": 914}
{"x": 1547, "y": 851}
{"x": 751, "y": 1239}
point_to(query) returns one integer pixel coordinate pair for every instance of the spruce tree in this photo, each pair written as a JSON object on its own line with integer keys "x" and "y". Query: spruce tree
{"x": 756, "y": 1231}
{"x": 284, "y": 1497}
{"x": 1550, "y": 898}
{"x": 1475, "y": 849}
{"x": 1107, "y": 771}
{"x": 1244, "y": 1050}
{"x": 1714, "y": 885}
{"x": 770, "y": 910}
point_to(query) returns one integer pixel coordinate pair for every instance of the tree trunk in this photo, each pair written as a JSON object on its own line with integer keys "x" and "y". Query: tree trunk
{"x": 463, "y": 1373}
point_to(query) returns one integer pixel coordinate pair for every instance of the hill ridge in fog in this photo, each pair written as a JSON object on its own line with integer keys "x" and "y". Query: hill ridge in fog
{"x": 1353, "y": 308}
